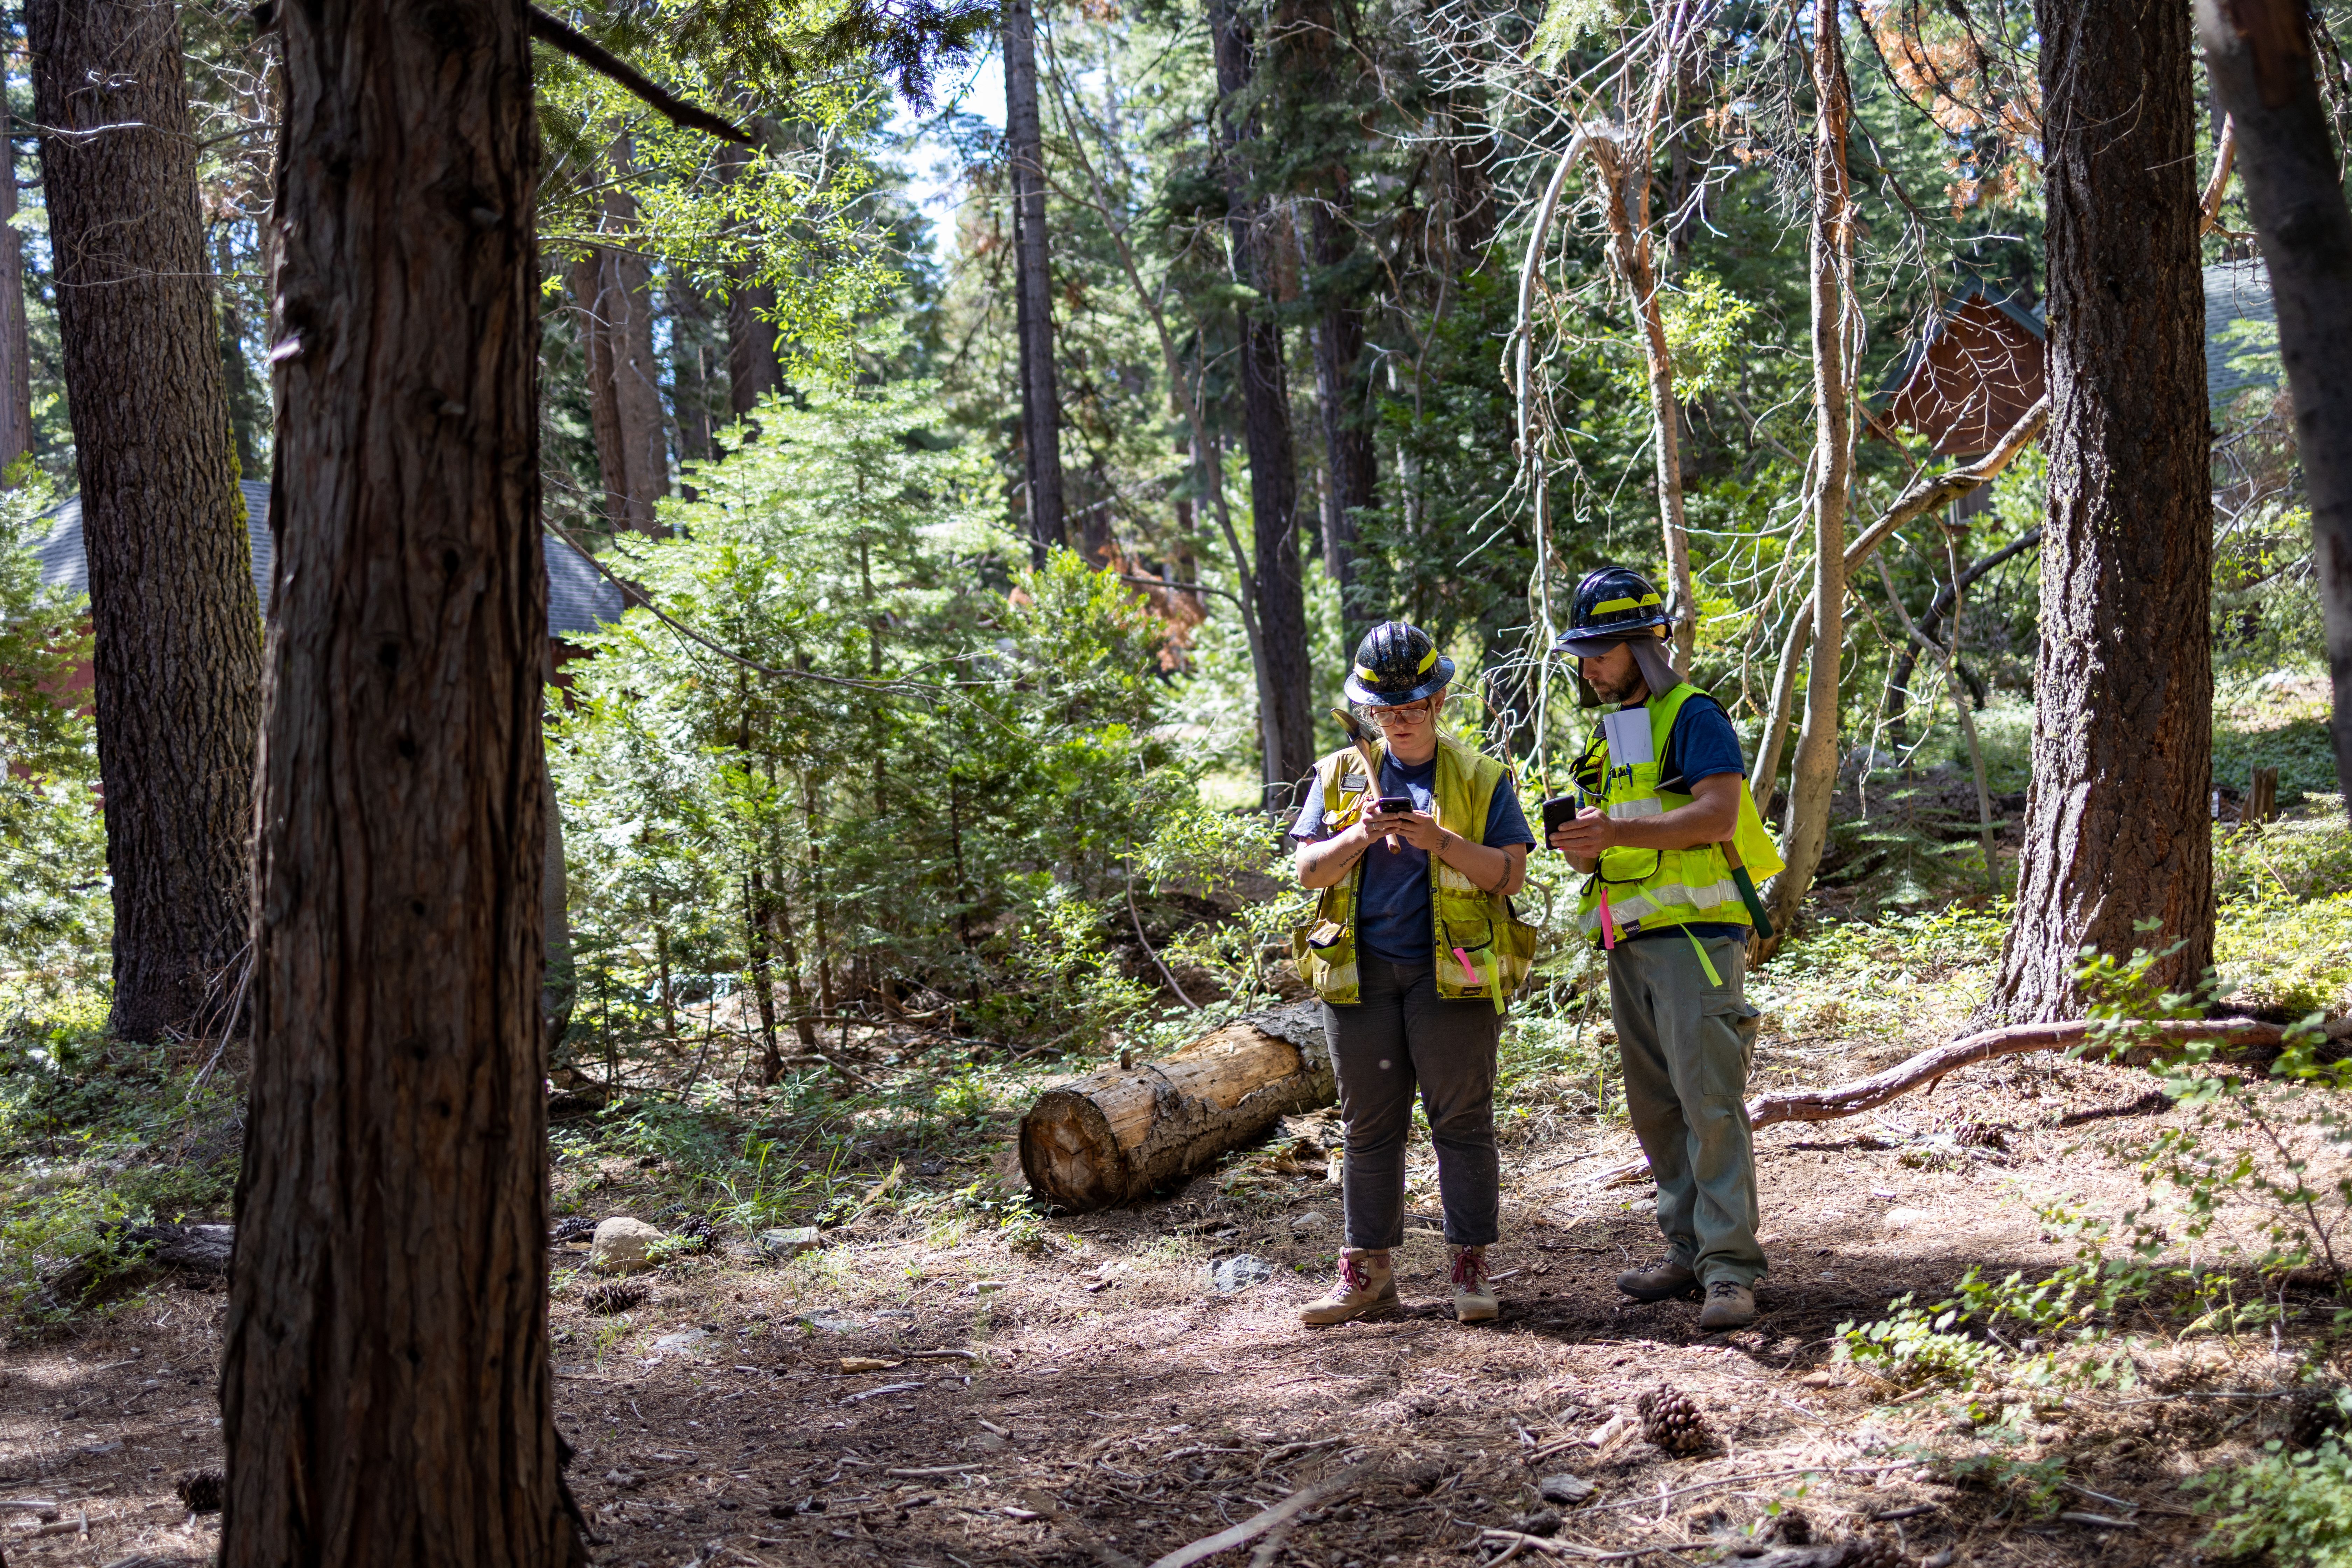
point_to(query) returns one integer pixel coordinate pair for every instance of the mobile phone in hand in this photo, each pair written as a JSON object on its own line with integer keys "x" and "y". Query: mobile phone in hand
{"x": 1391, "y": 805}
{"x": 1558, "y": 813}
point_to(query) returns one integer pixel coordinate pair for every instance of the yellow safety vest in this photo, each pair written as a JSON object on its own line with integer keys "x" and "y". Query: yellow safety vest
{"x": 1648, "y": 888}
{"x": 1481, "y": 947}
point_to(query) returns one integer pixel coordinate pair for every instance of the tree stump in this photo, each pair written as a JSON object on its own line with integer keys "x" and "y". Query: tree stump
{"x": 2261, "y": 796}
{"x": 1112, "y": 1136}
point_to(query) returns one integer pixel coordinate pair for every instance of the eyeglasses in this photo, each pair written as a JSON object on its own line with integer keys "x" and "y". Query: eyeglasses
{"x": 1409, "y": 713}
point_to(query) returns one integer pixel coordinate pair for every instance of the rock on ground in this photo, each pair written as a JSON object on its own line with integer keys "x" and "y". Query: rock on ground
{"x": 621, "y": 1245}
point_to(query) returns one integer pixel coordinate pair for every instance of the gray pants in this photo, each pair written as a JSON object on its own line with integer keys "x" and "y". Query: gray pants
{"x": 1401, "y": 1035}
{"x": 1687, "y": 1046}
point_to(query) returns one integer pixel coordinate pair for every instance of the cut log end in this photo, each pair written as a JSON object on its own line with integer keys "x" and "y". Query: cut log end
{"x": 1069, "y": 1154}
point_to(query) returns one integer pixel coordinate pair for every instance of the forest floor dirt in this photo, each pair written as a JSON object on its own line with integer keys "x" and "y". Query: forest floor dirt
{"x": 1097, "y": 1401}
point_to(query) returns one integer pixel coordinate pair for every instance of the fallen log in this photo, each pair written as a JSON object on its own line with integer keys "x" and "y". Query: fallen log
{"x": 1932, "y": 1065}
{"x": 1114, "y": 1135}
{"x": 1919, "y": 1071}
{"x": 198, "y": 1249}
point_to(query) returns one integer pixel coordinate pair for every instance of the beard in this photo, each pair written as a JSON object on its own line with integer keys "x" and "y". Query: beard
{"x": 1620, "y": 690}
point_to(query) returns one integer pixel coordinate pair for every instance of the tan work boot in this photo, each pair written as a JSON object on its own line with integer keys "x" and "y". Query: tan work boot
{"x": 1474, "y": 1293}
{"x": 1367, "y": 1288}
{"x": 1665, "y": 1282}
{"x": 1729, "y": 1305}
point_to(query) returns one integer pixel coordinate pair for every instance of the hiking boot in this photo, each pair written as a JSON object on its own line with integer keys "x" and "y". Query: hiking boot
{"x": 1474, "y": 1293}
{"x": 1665, "y": 1282}
{"x": 1367, "y": 1288}
{"x": 1729, "y": 1305}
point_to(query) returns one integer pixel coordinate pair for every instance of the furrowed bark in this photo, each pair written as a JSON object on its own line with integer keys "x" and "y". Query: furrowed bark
{"x": 2259, "y": 57}
{"x": 613, "y": 289}
{"x": 385, "y": 1387}
{"x": 2117, "y": 829}
{"x": 1813, "y": 784}
{"x": 176, "y": 622}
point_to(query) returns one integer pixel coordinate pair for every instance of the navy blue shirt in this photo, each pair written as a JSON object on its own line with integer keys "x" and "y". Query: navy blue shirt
{"x": 1393, "y": 917}
{"x": 1702, "y": 745}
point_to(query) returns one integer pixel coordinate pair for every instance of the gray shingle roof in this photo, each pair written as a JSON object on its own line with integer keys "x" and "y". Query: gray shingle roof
{"x": 579, "y": 598}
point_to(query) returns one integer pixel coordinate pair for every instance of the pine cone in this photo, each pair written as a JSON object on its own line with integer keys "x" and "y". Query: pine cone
{"x": 613, "y": 1296}
{"x": 1669, "y": 1420}
{"x": 1867, "y": 1553}
{"x": 201, "y": 1490}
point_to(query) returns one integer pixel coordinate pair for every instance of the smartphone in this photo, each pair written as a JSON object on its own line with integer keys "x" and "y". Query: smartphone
{"x": 1390, "y": 803}
{"x": 1558, "y": 813}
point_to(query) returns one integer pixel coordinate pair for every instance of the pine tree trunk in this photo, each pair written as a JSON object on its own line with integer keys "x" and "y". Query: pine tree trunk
{"x": 177, "y": 624}
{"x": 15, "y": 347}
{"x": 753, "y": 370}
{"x": 560, "y": 983}
{"x": 1041, "y": 406}
{"x": 1318, "y": 119}
{"x": 2258, "y": 54}
{"x": 248, "y": 407}
{"x": 387, "y": 1392}
{"x": 1279, "y": 593}
{"x": 612, "y": 289}
{"x": 689, "y": 370}
{"x": 2117, "y": 825}
{"x": 1812, "y": 784}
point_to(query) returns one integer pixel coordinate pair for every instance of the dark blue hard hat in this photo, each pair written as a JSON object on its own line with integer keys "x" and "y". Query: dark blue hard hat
{"x": 1613, "y": 605}
{"x": 1396, "y": 664}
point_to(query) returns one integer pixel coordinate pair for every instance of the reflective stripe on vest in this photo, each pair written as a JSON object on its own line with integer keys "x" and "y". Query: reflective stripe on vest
{"x": 1467, "y": 922}
{"x": 1651, "y": 888}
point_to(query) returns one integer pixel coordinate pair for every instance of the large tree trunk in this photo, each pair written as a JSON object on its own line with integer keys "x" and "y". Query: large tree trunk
{"x": 176, "y": 621}
{"x": 1813, "y": 784}
{"x": 15, "y": 347}
{"x": 1279, "y": 594}
{"x": 753, "y": 368}
{"x": 612, "y": 289}
{"x": 1113, "y": 1136}
{"x": 1041, "y": 402}
{"x": 2258, "y": 55}
{"x": 2116, "y": 828}
{"x": 386, "y": 1395}
{"x": 1316, "y": 117}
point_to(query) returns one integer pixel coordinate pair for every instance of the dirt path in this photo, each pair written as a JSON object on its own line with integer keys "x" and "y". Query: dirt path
{"x": 1103, "y": 1404}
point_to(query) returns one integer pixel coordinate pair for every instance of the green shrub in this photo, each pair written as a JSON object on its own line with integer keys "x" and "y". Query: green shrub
{"x": 2297, "y": 1506}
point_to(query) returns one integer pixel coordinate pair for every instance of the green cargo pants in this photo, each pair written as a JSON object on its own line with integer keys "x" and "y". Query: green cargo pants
{"x": 1686, "y": 1045}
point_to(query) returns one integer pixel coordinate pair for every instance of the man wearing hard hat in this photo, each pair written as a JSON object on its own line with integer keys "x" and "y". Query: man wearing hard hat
{"x": 1671, "y": 847}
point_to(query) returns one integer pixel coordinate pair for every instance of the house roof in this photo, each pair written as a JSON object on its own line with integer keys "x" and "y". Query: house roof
{"x": 1941, "y": 398}
{"x": 1972, "y": 373}
{"x": 580, "y": 599}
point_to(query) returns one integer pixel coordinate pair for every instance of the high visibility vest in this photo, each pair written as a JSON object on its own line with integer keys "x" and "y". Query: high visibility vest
{"x": 1648, "y": 888}
{"x": 1480, "y": 946}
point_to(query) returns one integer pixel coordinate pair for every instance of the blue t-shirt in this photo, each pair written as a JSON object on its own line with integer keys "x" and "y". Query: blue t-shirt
{"x": 1702, "y": 745}
{"x": 1393, "y": 917}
